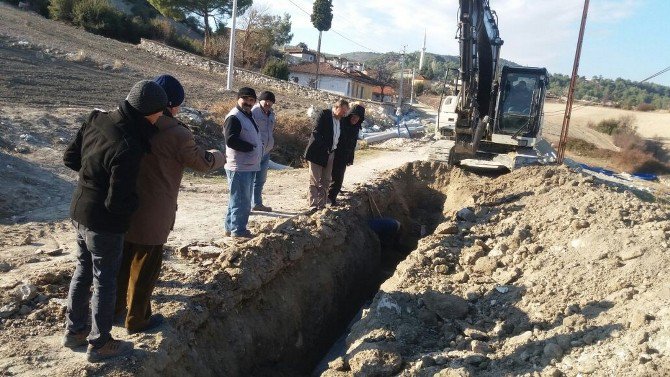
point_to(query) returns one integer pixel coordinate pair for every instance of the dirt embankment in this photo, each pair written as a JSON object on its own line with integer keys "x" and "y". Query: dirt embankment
{"x": 548, "y": 272}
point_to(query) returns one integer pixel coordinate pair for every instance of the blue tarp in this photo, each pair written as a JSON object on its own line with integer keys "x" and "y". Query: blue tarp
{"x": 597, "y": 169}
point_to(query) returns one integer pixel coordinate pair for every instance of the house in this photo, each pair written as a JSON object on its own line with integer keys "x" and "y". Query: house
{"x": 347, "y": 82}
{"x": 390, "y": 94}
{"x": 297, "y": 55}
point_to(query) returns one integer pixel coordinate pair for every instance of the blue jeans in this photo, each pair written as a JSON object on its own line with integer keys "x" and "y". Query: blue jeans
{"x": 240, "y": 185}
{"x": 98, "y": 261}
{"x": 259, "y": 180}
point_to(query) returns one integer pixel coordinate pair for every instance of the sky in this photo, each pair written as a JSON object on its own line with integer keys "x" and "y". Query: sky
{"x": 624, "y": 38}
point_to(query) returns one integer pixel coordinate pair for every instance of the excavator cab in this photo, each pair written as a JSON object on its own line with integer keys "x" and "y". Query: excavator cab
{"x": 520, "y": 102}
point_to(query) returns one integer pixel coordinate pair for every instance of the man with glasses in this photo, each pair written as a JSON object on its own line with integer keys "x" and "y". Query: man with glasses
{"x": 264, "y": 117}
{"x": 320, "y": 153}
{"x": 244, "y": 151}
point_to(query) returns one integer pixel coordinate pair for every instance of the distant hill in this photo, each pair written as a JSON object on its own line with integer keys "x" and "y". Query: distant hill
{"x": 620, "y": 93}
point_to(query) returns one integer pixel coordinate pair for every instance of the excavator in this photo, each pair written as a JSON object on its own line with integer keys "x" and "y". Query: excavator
{"x": 495, "y": 119}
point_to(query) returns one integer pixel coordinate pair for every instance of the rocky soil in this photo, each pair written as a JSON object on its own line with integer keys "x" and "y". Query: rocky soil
{"x": 539, "y": 272}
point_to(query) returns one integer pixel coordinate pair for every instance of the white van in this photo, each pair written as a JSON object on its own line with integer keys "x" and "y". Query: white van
{"x": 446, "y": 119}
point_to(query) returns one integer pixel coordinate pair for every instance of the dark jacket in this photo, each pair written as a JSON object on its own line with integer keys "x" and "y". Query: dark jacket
{"x": 321, "y": 140}
{"x": 172, "y": 149}
{"x": 107, "y": 152}
{"x": 346, "y": 145}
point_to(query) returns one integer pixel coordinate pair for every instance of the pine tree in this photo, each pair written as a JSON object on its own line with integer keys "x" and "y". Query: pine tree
{"x": 322, "y": 18}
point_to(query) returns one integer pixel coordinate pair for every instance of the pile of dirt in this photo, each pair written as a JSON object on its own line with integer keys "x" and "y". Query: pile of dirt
{"x": 539, "y": 271}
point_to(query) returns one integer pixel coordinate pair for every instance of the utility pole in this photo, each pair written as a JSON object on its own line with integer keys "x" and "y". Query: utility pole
{"x": 571, "y": 92}
{"x": 411, "y": 85}
{"x": 231, "y": 51}
{"x": 402, "y": 76}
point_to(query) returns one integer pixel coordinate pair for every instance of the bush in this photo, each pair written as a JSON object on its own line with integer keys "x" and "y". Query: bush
{"x": 162, "y": 29}
{"x": 61, "y": 10}
{"x": 623, "y": 125}
{"x": 291, "y": 136}
{"x": 277, "y": 69}
{"x": 97, "y": 16}
{"x": 419, "y": 88}
{"x": 646, "y": 107}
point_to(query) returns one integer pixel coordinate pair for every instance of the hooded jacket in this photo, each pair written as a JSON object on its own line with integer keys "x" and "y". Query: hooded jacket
{"x": 346, "y": 146}
{"x": 107, "y": 152}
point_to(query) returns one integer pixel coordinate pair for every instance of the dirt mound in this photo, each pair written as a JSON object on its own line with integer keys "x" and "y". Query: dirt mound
{"x": 539, "y": 271}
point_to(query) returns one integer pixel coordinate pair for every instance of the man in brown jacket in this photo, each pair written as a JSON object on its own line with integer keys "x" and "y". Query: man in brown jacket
{"x": 172, "y": 149}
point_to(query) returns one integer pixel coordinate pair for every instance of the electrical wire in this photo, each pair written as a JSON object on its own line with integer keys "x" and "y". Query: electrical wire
{"x": 664, "y": 70}
{"x": 335, "y": 31}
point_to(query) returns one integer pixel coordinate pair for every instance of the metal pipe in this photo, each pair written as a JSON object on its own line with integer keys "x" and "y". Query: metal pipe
{"x": 571, "y": 91}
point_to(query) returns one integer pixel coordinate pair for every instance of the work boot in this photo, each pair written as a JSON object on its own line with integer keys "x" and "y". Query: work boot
{"x": 113, "y": 348}
{"x": 333, "y": 203}
{"x": 154, "y": 321}
{"x": 74, "y": 340}
{"x": 262, "y": 208}
{"x": 245, "y": 234}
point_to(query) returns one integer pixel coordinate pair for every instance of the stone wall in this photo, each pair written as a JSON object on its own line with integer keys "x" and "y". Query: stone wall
{"x": 253, "y": 79}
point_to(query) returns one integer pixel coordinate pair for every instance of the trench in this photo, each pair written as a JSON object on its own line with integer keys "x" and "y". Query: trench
{"x": 287, "y": 326}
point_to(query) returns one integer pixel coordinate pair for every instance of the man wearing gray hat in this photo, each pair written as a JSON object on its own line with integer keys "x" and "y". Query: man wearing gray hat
{"x": 244, "y": 150}
{"x": 265, "y": 119}
{"x": 106, "y": 152}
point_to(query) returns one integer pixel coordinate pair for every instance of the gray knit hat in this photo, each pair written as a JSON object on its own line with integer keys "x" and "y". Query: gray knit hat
{"x": 147, "y": 97}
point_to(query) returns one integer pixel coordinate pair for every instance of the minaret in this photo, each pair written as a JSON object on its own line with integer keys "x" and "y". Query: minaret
{"x": 423, "y": 50}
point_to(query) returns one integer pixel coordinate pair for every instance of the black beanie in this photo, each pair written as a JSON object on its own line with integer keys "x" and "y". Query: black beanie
{"x": 358, "y": 110}
{"x": 147, "y": 97}
{"x": 267, "y": 96}
{"x": 173, "y": 89}
{"x": 246, "y": 92}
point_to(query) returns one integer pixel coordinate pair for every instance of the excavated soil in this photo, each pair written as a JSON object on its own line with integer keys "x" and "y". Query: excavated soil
{"x": 551, "y": 273}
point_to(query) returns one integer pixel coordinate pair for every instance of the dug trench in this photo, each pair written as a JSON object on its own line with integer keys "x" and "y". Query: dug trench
{"x": 274, "y": 305}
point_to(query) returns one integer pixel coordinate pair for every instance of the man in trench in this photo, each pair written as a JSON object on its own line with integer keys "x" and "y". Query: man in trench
{"x": 173, "y": 148}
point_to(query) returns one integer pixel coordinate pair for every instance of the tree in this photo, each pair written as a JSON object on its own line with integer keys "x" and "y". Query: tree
{"x": 277, "y": 69}
{"x": 261, "y": 33}
{"x": 385, "y": 78}
{"x": 204, "y": 9}
{"x": 322, "y": 18}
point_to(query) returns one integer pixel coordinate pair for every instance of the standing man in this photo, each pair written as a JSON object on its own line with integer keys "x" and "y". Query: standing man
{"x": 320, "y": 152}
{"x": 172, "y": 149}
{"x": 106, "y": 152}
{"x": 264, "y": 117}
{"x": 346, "y": 146}
{"x": 244, "y": 150}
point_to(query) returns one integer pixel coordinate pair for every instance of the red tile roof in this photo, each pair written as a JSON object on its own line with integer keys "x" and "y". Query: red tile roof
{"x": 326, "y": 69}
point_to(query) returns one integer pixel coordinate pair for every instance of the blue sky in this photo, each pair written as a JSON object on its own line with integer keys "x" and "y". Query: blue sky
{"x": 624, "y": 38}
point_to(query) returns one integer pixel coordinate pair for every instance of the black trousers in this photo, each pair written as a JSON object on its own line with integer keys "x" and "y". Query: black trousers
{"x": 337, "y": 178}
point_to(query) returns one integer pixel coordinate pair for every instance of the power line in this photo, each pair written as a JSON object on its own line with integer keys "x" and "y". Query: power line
{"x": 333, "y": 30}
{"x": 664, "y": 70}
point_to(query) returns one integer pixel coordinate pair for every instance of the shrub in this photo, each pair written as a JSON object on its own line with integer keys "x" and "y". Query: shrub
{"x": 277, "y": 69}
{"x": 624, "y": 124}
{"x": 97, "y": 16}
{"x": 61, "y": 10}
{"x": 291, "y": 136}
{"x": 419, "y": 88}
{"x": 646, "y": 107}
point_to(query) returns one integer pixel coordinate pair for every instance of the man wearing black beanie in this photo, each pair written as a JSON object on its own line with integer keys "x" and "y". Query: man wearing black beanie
{"x": 173, "y": 148}
{"x": 106, "y": 152}
{"x": 244, "y": 150}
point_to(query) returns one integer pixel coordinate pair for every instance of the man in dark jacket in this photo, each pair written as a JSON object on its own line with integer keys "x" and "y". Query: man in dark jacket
{"x": 344, "y": 154}
{"x": 244, "y": 151}
{"x": 320, "y": 152}
{"x": 172, "y": 149}
{"x": 106, "y": 152}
